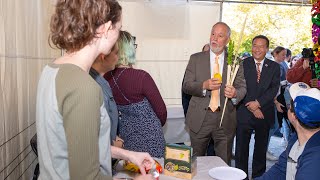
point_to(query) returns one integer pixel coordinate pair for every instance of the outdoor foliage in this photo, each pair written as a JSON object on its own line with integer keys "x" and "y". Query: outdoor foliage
{"x": 287, "y": 26}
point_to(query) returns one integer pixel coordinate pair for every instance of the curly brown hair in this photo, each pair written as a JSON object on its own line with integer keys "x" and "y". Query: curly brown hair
{"x": 74, "y": 23}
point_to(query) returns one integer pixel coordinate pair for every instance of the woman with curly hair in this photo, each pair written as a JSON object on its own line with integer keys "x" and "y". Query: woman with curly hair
{"x": 73, "y": 126}
{"x": 142, "y": 109}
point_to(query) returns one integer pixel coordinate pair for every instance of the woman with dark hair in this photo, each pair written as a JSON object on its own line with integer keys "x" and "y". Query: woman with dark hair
{"x": 293, "y": 61}
{"x": 73, "y": 125}
{"x": 142, "y": 109}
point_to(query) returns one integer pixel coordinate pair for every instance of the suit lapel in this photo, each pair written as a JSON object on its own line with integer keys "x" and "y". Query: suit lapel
{"x": 253, "y": 69}
{"x": 265, "y": 71}
{"x": 206, "y": 64}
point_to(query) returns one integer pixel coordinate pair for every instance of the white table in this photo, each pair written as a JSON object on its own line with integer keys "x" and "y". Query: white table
{"x": 175, "y": 130}
{"x": 204, "y": 164}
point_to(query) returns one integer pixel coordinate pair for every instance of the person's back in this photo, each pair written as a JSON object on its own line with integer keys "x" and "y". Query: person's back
{"x": 73, "y": 126}
{"x": 133, "y": 82}
{"x": 139, "y": 103}
{"x": 55, "y": 124}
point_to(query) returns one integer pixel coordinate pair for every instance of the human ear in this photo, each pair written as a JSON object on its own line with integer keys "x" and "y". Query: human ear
{"x": 228, "y": 39}
{"x": 103, "y": 29}
{"x": 101, "y": 57}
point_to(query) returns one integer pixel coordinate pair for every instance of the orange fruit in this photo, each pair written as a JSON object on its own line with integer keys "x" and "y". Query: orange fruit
{"x": 218, "y": 76}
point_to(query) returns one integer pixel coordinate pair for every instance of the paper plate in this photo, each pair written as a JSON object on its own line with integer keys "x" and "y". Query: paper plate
{"x": 227, "y": 173}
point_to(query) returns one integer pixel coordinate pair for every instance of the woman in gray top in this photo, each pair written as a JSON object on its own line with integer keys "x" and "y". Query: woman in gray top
{"x": 73, "y": 126}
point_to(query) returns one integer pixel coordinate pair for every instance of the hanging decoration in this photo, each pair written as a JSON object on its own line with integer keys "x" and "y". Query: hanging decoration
{"x": 315, "y": 18}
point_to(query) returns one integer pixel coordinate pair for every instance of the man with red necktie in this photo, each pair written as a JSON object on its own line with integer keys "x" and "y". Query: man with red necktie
{"x": 256, "y": 111}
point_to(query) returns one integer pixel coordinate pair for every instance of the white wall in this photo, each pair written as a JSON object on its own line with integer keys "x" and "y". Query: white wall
{"x": 167, "y": 34}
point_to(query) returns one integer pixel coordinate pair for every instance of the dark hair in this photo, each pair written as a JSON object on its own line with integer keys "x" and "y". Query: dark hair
{"x": 205, "y": 47}
{"x": 317, "y": 125}
{"x": 261, "y": 37}
{"x": 288, "y": 53}
{"x": 277, "y": 50}
{"x": 74, "y": 22}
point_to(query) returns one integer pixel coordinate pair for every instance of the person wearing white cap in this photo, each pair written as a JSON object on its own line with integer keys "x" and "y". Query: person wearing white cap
{"x": 301, "y": 159}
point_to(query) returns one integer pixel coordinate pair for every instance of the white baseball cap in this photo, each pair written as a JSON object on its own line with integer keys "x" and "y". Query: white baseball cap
{"x": 296, "y": 88}
{"x": 306, "y": 102}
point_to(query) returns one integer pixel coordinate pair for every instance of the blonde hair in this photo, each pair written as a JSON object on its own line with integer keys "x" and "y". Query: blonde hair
{"x": 127, "y": 52}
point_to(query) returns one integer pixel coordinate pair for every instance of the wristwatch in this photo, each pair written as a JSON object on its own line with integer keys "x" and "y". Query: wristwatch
{"x": 204, "y": 92}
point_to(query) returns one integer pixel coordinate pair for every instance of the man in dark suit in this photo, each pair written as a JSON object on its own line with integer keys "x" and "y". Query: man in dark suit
{"x": 256, "y": 111}
{"x": 204, "y": 122}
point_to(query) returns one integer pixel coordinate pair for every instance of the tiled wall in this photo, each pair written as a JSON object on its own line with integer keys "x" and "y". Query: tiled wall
{"x": 23, "y": 52}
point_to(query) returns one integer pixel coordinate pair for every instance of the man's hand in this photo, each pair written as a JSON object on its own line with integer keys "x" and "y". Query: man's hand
{"x": 258, "y": 114}
{"x": 230, "y": 92}
{"x": 279, "y": 106}
{"x": 305, "y": 64}
{"x": 253, "y": 105}
{"x": 314, "y": 83}
{"x": 211, "y": 84}
{"x": 142, "y": 160}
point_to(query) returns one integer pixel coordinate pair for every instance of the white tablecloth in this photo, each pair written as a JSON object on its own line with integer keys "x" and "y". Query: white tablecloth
{"x": 175, "y": 130}
{"x": 204, "y": 164}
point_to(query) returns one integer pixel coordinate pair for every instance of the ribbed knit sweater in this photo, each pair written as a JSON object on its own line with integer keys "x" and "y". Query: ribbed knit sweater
{"x": 133, "y": 86}
{"x": 73, "y": 127}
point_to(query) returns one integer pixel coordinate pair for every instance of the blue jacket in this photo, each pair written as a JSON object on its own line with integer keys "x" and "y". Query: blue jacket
{"x": 283, "y": 71}
{"x": 308, "y": 166}
{"x": 109, "y": 103}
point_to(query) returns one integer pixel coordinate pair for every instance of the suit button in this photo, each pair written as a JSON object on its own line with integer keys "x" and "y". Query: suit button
{"x": 206, "y": 109}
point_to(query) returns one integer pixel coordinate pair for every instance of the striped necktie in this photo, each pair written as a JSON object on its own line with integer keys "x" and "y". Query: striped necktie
{"x": 258, "y": 72}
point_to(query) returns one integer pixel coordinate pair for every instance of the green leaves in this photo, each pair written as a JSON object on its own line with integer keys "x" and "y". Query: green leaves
{"x": 230, "y": 52}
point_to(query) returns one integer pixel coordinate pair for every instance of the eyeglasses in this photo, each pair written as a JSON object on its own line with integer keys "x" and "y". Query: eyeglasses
{"x": 135, "y": 46}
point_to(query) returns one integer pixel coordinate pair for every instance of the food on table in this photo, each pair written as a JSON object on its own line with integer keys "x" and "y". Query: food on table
{"x": 134, "y": 168}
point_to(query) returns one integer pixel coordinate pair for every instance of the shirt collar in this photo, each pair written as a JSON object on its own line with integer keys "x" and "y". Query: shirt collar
{"x": 221, "y": 56}
{"x": 255, "y": 61}
{"x": 93, "y": 72}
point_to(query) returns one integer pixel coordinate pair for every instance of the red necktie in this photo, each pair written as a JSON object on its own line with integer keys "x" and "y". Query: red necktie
{"x": 258, "y": 72}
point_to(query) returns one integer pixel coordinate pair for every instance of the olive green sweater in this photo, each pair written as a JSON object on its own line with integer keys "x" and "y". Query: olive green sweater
{"x": 73, "y": 126}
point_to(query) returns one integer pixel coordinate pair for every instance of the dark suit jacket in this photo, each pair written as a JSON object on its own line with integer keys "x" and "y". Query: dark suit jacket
{"x": 185, "y": 98}
{"x": 264, "y": 91}
{"x": 198, "y": 71}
